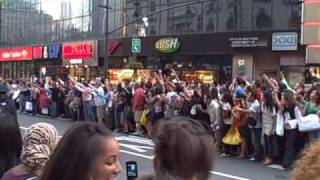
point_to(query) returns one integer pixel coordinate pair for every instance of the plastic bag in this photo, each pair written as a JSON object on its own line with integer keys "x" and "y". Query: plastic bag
{"x": 280, "y": 125}
{"x": 29, "y": 106}
{"x": 309, "y": 123}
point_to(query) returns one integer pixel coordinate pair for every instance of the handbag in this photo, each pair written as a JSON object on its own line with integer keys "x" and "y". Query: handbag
{"x": 280, "y": 125}
{"x": 309, "y": 123}
{"x": 29, "y": 106}
{"x": 252, "y": 122}
{"x": 232, "y": 137}
{"x": 45, "y": 111}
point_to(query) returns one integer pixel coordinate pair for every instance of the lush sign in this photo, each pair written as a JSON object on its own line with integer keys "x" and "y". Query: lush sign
{"x": 168, "y": 45}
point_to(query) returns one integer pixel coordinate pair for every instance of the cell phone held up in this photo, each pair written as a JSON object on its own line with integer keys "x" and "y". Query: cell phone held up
{"x": 132, "y": 170}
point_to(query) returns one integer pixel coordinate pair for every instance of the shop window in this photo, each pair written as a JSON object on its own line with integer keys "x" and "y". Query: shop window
{"x": 152, "y": 6}
{"x": 210, "y": 25}
{"x": 231, "y": 22}
{"x": 263, "y": 21}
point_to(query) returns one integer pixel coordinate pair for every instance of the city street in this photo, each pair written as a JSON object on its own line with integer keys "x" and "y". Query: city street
{"x": 141, "y": 150}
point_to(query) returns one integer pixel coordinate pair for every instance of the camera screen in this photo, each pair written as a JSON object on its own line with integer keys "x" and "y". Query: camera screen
{"x": 132, "y": 170}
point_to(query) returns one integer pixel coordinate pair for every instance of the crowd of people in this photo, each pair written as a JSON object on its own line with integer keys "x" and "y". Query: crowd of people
{"x": 259, "y": 121}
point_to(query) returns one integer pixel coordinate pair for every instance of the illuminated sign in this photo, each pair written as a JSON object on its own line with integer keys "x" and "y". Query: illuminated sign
{"x": 168, "y": 45}
{"x": 16, "y": 54}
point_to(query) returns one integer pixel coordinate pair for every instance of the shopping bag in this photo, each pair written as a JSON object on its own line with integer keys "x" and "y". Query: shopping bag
{"x": 45, "y": 111}
{"x": 280, "y": 125}
{"x": 29, "y": 106}
{"x": 232, "y": 137}
{"x": 309, "y": 123}
{"x": 144, "y": 118}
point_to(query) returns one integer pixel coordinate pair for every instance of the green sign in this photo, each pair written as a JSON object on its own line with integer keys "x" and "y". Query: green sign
{"x": 168, "y": 45}
{"x": 136, "y": 45}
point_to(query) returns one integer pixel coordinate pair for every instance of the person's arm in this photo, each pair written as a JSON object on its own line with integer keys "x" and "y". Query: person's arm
{"x": 243, "y": 110}
{"x": 79, "y": 87}
{"x": 175, "y": 75}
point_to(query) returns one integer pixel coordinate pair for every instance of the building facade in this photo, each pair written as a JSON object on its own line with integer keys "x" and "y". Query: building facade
{"x": 223, "y": 38}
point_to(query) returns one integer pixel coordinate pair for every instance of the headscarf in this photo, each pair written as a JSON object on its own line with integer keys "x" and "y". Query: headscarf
{"x": 40, "y": 141}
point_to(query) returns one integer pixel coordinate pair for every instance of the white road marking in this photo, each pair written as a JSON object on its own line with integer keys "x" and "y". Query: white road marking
{"x": 136, "y": 154}
{"x": 228, "y": 175}
{"x": 140, "y": 149}
{"x": 276, "y": 166}
{"x": 136, "y": 140}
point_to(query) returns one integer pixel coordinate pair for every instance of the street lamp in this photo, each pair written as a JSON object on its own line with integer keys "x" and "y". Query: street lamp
{"x": 106, "y": 36}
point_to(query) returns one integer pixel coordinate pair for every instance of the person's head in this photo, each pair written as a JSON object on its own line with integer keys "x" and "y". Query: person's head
{"x": 308, "y": 166}
{"x": 11, "y": 141}
{"x": 257, "y": 84}
{"x": 214, "y": 93}
{"x": 183, "y": 148}
{"x": 86, "y": 151}
{"x": 315, "y": 96}
{"x": 241, "y": 82}
{"x": 268, "y": 100}
{"x": 98, "y": 82}
{"x": 39, "y": 142}
{"x": 227, "y": 98}
{"x": 251, "y": 96}
{"x": 299, "y": 87}
{"x": 288, "y": 99}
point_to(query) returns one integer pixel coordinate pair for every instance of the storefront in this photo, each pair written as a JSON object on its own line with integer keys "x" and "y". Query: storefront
{"x": 268, "y": 53}
{"x": 193, "y": 57}
{"x": 81, "y": 59}
{"x": 48, "y": 61}
{"x": 16, "y": 63}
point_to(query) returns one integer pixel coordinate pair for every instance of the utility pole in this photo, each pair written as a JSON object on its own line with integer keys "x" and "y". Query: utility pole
{"x": 106, "y": 37}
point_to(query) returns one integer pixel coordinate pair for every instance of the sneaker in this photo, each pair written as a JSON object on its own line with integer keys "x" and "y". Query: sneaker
{"x": 253, "y": 159}
{"x": 137, "y": 133}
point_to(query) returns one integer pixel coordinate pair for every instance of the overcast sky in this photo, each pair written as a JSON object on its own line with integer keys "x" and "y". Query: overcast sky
{"x": 53, "y": 7}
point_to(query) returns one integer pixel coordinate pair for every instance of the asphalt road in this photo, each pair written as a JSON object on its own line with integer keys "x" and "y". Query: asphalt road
{"x": 141, "y": 150}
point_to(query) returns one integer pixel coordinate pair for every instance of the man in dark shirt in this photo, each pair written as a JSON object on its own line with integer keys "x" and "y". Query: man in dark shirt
{"x": 6, "y": 102}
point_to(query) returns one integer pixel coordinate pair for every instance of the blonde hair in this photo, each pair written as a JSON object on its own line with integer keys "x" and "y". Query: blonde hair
{"x": 308, "y": 167}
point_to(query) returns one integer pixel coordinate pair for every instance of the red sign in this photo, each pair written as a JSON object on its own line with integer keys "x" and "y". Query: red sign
{"x": 37, "y": 52}
{"x": 81, "y": 50}
{"x": 113, "y": 46}
{"x": 16, "y": 54}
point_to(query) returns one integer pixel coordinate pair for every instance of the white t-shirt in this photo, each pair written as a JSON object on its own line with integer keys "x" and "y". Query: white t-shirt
{"x": 227, "y": 107}
{"x": 256, "y": 113}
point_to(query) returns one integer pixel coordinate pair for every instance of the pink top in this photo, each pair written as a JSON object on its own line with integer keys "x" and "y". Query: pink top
{"x": 138, "y": 100}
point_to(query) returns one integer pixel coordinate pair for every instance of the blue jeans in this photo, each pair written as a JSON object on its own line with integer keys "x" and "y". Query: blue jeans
{"x": 314, "y": 136}
{"x": 88, "y": 111}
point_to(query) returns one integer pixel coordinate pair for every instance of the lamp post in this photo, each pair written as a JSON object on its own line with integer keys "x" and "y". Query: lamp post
{"x": 106, "y": 36}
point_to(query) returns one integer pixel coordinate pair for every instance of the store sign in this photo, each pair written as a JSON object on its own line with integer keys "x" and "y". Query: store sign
{"x": 37, "y": 52}
{"x": 244, "y": 42}
{"x": 168, "y": 45}
{"x": 285, "y": 41}
{"x": 75, "y": 61}
{"x": 113, "y": 46}
{"x": 16, "y": 54}
{"x": 52, "y": 51}
{"x": 80, "y": 50}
